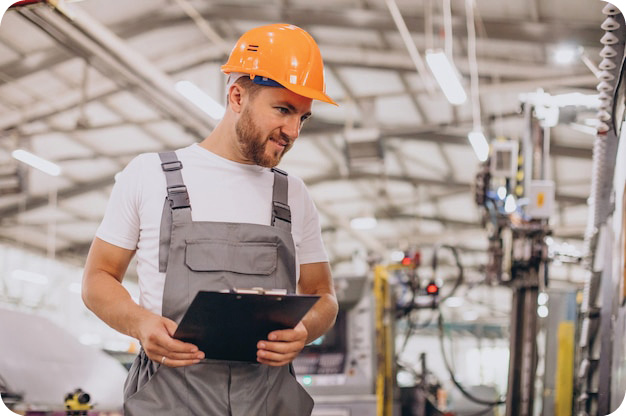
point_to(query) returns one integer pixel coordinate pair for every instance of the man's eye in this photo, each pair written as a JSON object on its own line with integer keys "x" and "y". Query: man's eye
{"x": 283, "y": 110}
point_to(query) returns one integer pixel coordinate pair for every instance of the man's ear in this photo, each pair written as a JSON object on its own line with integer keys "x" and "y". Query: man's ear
{"x": 235, "y": 97}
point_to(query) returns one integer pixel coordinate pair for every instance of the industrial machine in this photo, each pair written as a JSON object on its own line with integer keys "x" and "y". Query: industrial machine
{"x": 339, "y": 369}
{"x": 518, "y": 251}
{"x": 600, "y": 381}
{"x": 351, "y": 371}
{"x": 517, "y": 196}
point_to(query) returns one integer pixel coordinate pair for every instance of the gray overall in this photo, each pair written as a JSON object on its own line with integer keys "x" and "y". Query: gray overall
{"x": 215, "y": 256}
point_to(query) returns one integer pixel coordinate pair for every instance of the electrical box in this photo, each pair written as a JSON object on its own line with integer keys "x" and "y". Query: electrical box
{"x": 504, "y": 158}
{"x": 540, "y": 199}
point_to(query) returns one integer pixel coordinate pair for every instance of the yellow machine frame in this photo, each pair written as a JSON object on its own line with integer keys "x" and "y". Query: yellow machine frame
{"x": 385, "y": 345}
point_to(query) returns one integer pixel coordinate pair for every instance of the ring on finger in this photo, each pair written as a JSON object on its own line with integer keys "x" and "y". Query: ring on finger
{"x": 163, "y": 360}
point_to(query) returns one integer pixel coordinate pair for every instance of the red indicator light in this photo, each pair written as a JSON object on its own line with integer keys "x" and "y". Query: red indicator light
{"x": 432, "y": 289}
{"x": 406, "y": 261}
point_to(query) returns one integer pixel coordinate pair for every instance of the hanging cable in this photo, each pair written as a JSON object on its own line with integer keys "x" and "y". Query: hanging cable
{"x": 410, "y": 45}
{"x": 447, "y": 29}
{"x": 412, "y": 323}
{"x": 463, "y": 391}
{"x": 473, "y": 64}
{"x": 412, "y": 326}
{"x": 457, "y": 260}
{"x": 204, "y": 26}
{"x": 428, "y": 24}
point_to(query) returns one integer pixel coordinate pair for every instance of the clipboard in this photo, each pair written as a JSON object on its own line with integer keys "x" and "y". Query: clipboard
{"x": 228, "y": 326}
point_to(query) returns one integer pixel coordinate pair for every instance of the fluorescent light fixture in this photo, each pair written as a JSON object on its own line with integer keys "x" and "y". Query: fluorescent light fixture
{"x": 447, "y": 77}
{"x": 566, "y": 54}
{"x": 200, "y": 99}
{"x": 540, "y": 98}
{"x": 592, "y": 131}
{"x": 363, "y": 223}
{"x": 30, "y": 277}
{"x": 510, "y": 205}
{"x": 479, "y": 144}
{"x": 578, "y": 99}
{"x": 397, "y": 256}
{"x": 501, "y": 192}
{"x": 454, "y": 302}
{"x": 37, "y": 162}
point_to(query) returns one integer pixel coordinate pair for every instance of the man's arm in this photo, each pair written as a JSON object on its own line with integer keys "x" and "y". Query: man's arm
{"x": 283, "y": 346}
{"x": 315, "y": 279}
{"x": 105, "y": 296}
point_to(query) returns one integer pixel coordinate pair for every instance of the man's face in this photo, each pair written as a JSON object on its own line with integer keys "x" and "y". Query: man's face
{"x": 270, "y": 123}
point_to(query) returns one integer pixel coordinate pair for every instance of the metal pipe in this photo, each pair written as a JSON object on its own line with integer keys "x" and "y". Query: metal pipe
{"x": 410, "y": 46}
{"x": 94, "y": 38}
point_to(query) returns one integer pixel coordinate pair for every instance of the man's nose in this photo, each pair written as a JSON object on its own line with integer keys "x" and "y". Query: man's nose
{"x": 292, "y": 128}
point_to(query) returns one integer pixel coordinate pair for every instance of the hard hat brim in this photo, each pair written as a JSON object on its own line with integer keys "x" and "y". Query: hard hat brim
{"x": 310, "y": 93}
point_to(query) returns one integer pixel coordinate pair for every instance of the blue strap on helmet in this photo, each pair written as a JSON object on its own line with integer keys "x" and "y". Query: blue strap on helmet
{"x": 266, "y": 81}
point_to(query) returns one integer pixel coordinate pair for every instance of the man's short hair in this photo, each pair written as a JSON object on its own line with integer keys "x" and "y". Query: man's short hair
{"x": 247, "y": 84}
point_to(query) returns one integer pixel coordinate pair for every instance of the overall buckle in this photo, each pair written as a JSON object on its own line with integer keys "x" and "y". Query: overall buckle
{"x": 170, "y": 166}
{"x": 178, "y": 196}
{"x": 281, "y": 211}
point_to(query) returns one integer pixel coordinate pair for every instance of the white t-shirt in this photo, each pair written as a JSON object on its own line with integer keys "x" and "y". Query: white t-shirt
{"x": 219, "y": 190}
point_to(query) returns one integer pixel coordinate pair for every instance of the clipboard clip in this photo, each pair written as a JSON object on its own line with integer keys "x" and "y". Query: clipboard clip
{"x": 256, "y": 291}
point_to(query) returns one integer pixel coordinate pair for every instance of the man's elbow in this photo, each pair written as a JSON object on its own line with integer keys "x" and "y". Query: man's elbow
{"x": 85, "y": 292}
{"x": 90, "y": 289}
{"x": 333, "y": 309}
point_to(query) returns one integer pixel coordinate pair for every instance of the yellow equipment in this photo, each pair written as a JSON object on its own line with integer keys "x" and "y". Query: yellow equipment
{"x": 385, "y": 346}
{"x": 77, "y": 403}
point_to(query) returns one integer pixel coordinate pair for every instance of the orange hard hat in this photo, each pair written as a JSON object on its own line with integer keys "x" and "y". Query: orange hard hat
{"x": 283, "y": 53}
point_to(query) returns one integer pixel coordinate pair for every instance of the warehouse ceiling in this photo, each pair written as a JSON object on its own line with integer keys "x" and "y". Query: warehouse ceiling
{"x": 91, "y": 93}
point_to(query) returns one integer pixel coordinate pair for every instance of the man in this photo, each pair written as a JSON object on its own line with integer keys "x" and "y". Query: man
{"x": 228, "y": 220}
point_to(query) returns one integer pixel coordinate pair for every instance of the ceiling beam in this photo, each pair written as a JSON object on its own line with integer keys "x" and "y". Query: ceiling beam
{"x": 86, "y": 36}
{"x": 372, "y": 58}
{"x": 430, "y": 133}
{"x": 461, "y": 186}
{"x": 556, "y": 149}
{"x": 387, "y": 59}
{"x": 536, "y": 32}
{"x": 34, "y": 202}
{"x": 313, "y": 181}
{"x": 546, "y": 31}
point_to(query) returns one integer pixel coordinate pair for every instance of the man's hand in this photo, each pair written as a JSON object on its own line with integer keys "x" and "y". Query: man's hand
{"x": 282, "y": 346}
{"x": 155, "y": 334}
{"x": 104, "y": 294}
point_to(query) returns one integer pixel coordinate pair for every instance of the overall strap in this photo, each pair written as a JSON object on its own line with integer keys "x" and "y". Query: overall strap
{"x": 177, "y": 201}
{"x": 281, "y": 214}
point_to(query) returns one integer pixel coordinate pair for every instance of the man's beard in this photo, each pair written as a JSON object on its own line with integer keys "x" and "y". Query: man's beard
{"x": 252, "y": 145}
